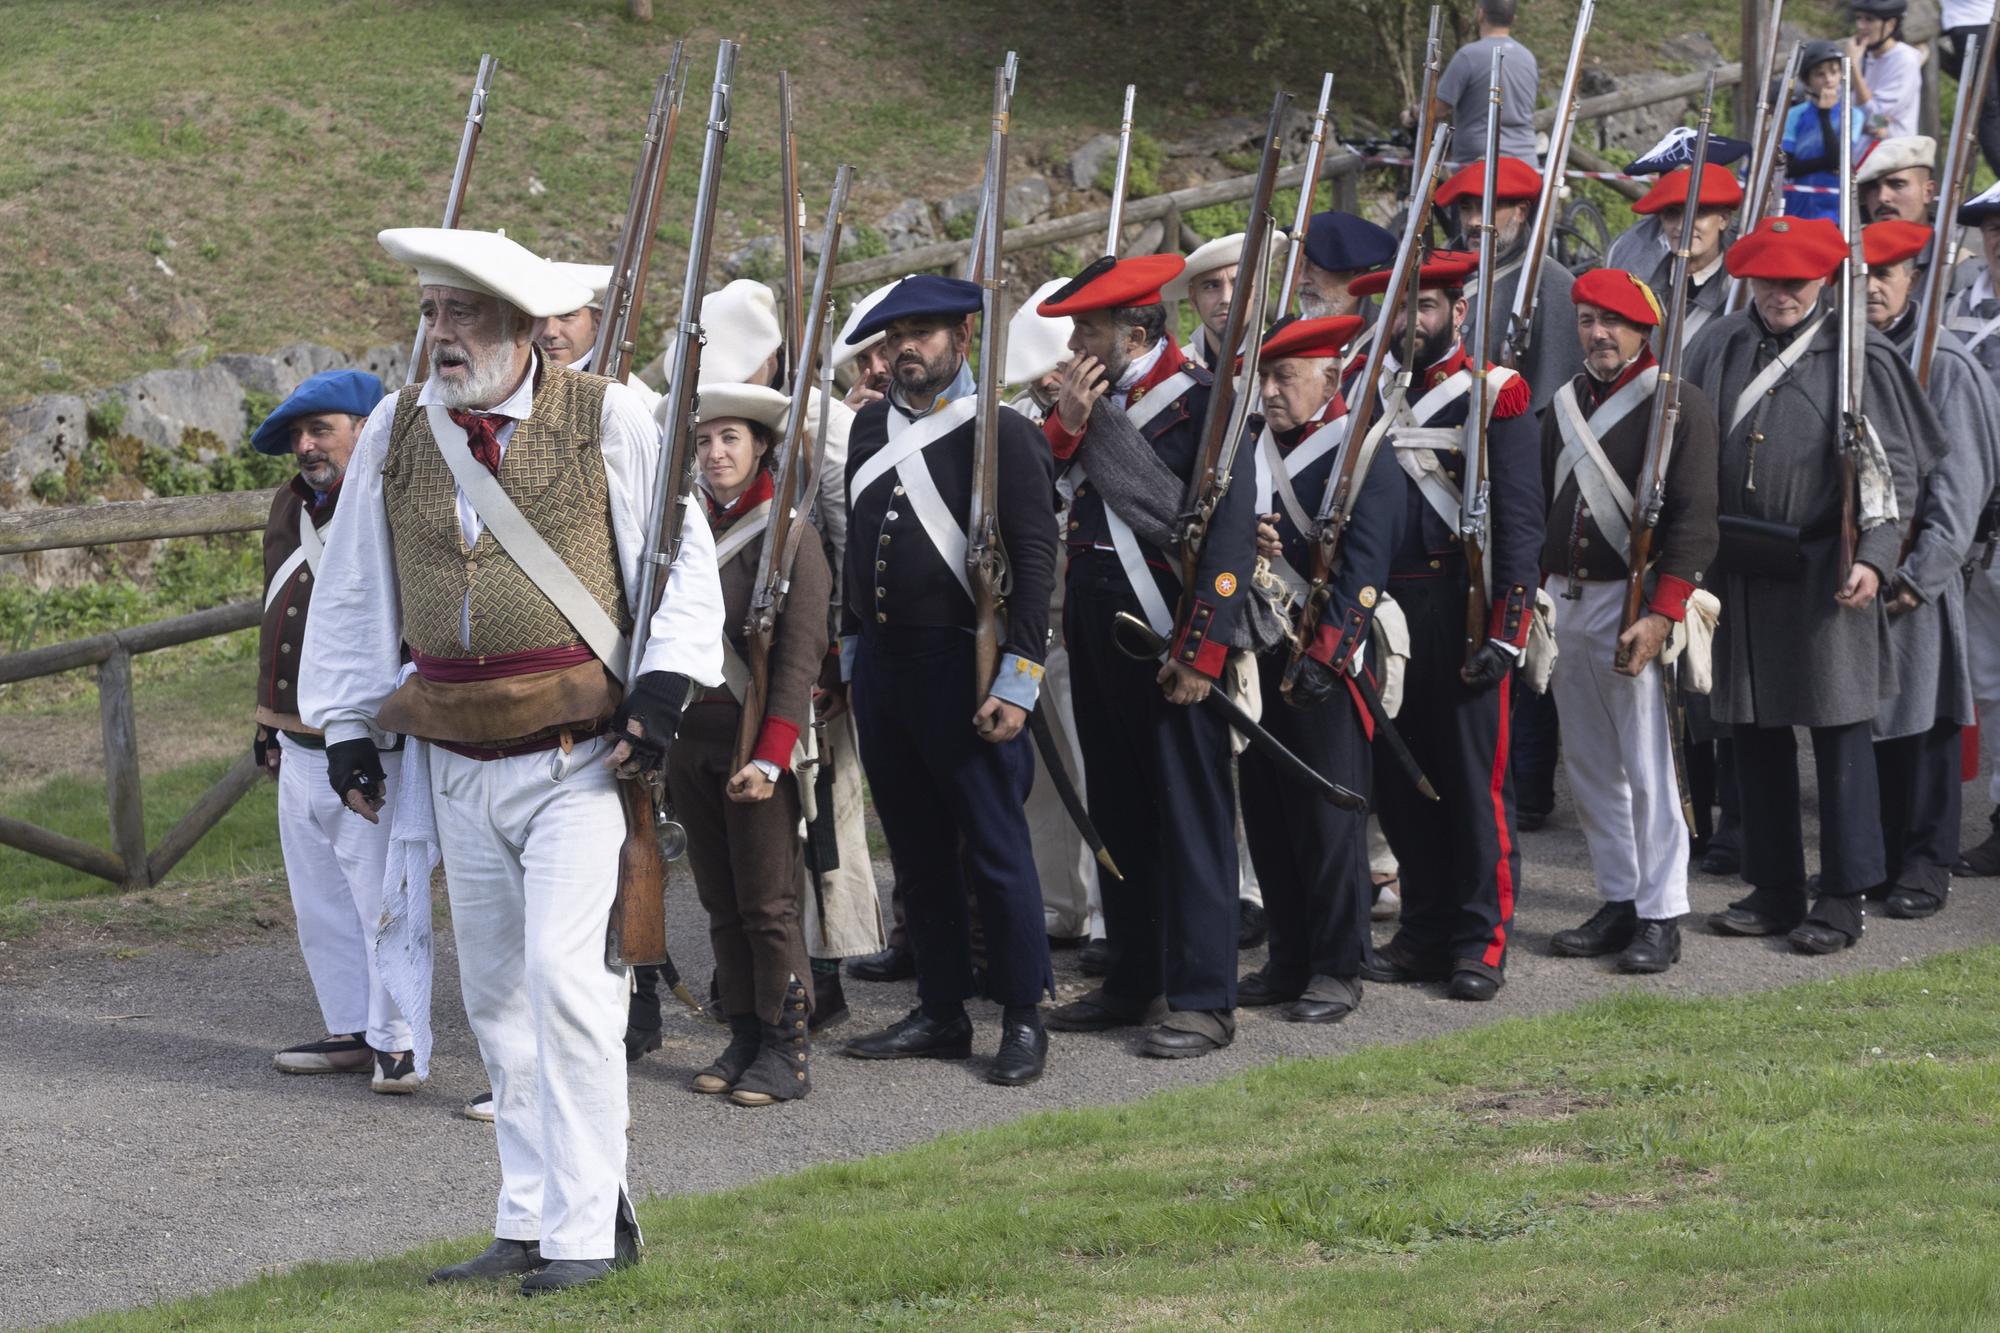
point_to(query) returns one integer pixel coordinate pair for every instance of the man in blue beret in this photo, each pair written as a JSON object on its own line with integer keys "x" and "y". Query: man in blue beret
{"x": 1340, "y": 247}
{"x": 334, "y": 864}
{"x": 949, "y": 771}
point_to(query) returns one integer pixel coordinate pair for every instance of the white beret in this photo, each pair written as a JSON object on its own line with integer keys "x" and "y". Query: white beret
{"x": 1900, "y": 154}
{"x": 1218, "y": 253}
{"x": 1037, "y": 343}
{"x": 485, "y": 261}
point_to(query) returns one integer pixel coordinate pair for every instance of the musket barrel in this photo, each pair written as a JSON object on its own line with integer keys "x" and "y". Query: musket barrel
{"x": 461, "y": 174}
{"x": 1121, "y": 175}
{"x": 1302, "y": 215}
{"x": 663, "y": 529}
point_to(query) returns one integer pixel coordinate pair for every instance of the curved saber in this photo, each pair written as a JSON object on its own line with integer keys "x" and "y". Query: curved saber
{"x": 1045, "y": 741}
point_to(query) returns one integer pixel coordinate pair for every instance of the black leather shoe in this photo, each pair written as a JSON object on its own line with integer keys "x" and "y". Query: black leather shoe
{"x": 1913, "y": 904}
{"x": 1835, "y": 923}
{"x": 1324, "y": 1000}
{"x": 892, "y": 964}
{"x": 503, "y": 1258}
{"x": 1467, "y": 984}
{"x": 1983, "y": 861}
{"x": 1099, "y": 1011}
{"x": 638, "y": 1041}
{"x": 1743, "y": 921}
{"x": 1721, "y": 861}
{"x": 1654, "y": 947}
{"x": 1609, "y": 929}
{"x": 1395, "y": 966}
{"x": 1255, "y": 990}
{"x": 1023, "y": 1054}
{"x": 1251, "y": 927}
{"x": 1094, "y": 958}
{"x": 829, "y": 1001}
{"x": 1812, "y": 937}
{"x": 1530, "y": 821}
{"x": 1187, "y": 1033}
{"x": 562, "y": 1274}
{"x": 917, "y": 1037}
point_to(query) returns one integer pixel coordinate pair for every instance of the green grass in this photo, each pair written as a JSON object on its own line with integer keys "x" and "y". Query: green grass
{"x": 254, "y": 147}
{"x": 1817, "y": 1157}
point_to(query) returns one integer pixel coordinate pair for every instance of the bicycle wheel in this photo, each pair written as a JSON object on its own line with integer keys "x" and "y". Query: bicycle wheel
{"x": 1582, "y": 238}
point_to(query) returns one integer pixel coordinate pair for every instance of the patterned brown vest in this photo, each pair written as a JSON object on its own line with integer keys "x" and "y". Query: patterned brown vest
{"x": 554, "y": 471}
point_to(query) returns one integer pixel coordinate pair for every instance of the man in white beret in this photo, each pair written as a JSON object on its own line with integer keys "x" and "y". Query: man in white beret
{"x": 843, "y": 917}
{"x": 570, "y": 339}
{"x": 1208, "y": 283}
{"x": 1898, "y": 181}
{"x": 492, "y": 525}
{"x": 864, "y": 364}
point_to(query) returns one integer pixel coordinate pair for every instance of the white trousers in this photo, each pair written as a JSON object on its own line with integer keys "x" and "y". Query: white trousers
{"x": 852, "y": 921}
{"x": 1982, "y": 617}
{"x": 1063, "y": 861}
{"x": 1619, "y": 756}
{"x": 530, "y": 847}
{"x": 335, "y": 864}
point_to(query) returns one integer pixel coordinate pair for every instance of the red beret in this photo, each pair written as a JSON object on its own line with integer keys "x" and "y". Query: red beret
{"x": 1512, "y": 179}
{"x": 1788, "y": 250}
{"x": 1893, "y": 241}
{"x": 1128, "y": 282}
{"x": 1619, "y": 292}
{"x": 1445, "y": 268}
{"x": 1312, "y": 337}
{"x": 1719, "y": 189}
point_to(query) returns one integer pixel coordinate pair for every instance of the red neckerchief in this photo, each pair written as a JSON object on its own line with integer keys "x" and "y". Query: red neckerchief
{"x": 1288, "y": 440}
{"x": 1170, "y": 362}
{"x": 1600, "y": 391}
{"x": 720, "y": 516}
{"x": 482, "y": 432}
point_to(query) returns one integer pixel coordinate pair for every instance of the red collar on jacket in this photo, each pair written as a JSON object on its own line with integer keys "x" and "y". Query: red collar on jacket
{"x": 721, "y": 515}
{"x": 1170, "y": 362}
{"x": 1454, "y": 361}
{"x": 1599, "y": 390}
{"x": 1288, "y": 440}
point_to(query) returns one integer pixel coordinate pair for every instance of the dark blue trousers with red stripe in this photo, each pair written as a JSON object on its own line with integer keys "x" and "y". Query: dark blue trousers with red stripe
{"x": 951, "y": 808}
{"x": 1459, "y": 858}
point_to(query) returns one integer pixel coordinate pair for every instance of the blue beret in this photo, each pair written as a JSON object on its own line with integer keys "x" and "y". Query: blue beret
{"x": 1344, "y": 243}
{"x": 918, "y": 294}
{"x": 1978, "y": 212}
{"x": 354, "y": 392}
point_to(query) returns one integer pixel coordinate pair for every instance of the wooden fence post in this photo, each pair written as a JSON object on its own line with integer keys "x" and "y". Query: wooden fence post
{"x": 121, "y": 767}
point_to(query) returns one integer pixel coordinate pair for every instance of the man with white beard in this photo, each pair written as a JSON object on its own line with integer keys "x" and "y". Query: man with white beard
{"x": 493, "y": 524}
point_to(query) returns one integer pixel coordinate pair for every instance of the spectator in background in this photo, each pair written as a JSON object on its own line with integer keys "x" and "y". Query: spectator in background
{"x": 1812, "y": 153}
{"x": 1961, "y": 19}
{"x": 1888, "y": 72}
{"x": 1461, "y": 98}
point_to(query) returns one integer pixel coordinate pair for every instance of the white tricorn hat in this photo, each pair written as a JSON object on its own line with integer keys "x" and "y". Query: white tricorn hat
{"x": 1037, "y": 343}
{"x": 597, "y": 277}
{"x": 752, "y": 402}
{"x": 741, "y": 321}
{"x": 1899, "y": 154}
{"x": 485, "y": 261}
{"x": 1218, "y": 253}
{"x": 843, "y": 354}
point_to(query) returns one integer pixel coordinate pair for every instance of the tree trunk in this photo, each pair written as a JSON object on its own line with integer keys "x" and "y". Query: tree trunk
{"x": 640, "y": 11}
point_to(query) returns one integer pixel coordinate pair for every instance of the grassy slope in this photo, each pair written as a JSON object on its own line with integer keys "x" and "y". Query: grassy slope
{"x": 255, "y": 148}
{"x": 1817, "y": 1157}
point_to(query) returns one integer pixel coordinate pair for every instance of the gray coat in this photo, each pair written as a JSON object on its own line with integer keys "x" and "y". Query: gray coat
{"x": 1930, "y": 643}
{"x": 1650, "y": 259}
{"x": 1786, "y": 654}
{"x": 1552, "y": 356}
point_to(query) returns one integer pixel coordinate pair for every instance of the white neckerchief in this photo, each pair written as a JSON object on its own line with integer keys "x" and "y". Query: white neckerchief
{"x": 1141, "y": 367}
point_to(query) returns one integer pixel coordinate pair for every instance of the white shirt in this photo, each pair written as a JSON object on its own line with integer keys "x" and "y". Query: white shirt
{"x": 1963, "y": 14}
{"x": 1895, "y": 78}
{"x": 354, "y": 639}
{"x": 632, "y": 381}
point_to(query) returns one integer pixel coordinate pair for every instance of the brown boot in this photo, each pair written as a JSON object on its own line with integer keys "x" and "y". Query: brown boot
{"x": 745, "y": 1035}
{"x": 782, "y": 1071}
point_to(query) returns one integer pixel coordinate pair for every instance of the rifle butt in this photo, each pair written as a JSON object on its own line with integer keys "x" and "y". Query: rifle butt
{"x": 756, "y": 696}
{"x": 636, "y": 935}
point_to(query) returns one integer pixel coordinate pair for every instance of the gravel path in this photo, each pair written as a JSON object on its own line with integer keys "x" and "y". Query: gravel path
{"x": 150, "y": 1150}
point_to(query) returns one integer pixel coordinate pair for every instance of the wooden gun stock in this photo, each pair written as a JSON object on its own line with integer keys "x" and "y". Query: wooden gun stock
{"x": 637, "y": 934}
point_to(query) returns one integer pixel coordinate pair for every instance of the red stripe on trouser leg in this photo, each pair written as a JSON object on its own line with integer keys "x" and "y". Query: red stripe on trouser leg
{"x": 1503, "y": 871}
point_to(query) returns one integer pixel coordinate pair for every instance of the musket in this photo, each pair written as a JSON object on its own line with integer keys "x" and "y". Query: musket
{"x": 1222, "y": 426}
{"x": 1474, "y": 520}
{"x": 985, "y": 558}
{"x": 1136, "y": 639}
{"x": 1666, "y": 405}
{"x": 1765, "y": 67}
{"x": 1944, "y": 241}
{"x": 1335, "y": 504}
{"x": 1120, "y": 176}
{"x": 792, "y": 224}
{"x": 1542, "y": 227}
{"x": 1288, "y": 285}
{"x": 637, "y": 932}
{"x": 611, "y": 355}
{"x": 1853, "y": 329}
{"x": 791, "y": 474}
{"x": 461, "y": 173}
{"x": 1426, "y": 105}
{"x": 1010, "y": 70}
{"x": 1764, "y": 171}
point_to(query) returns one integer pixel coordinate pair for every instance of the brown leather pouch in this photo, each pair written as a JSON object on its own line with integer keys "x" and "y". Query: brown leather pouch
{"x": 498, "y": 713}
